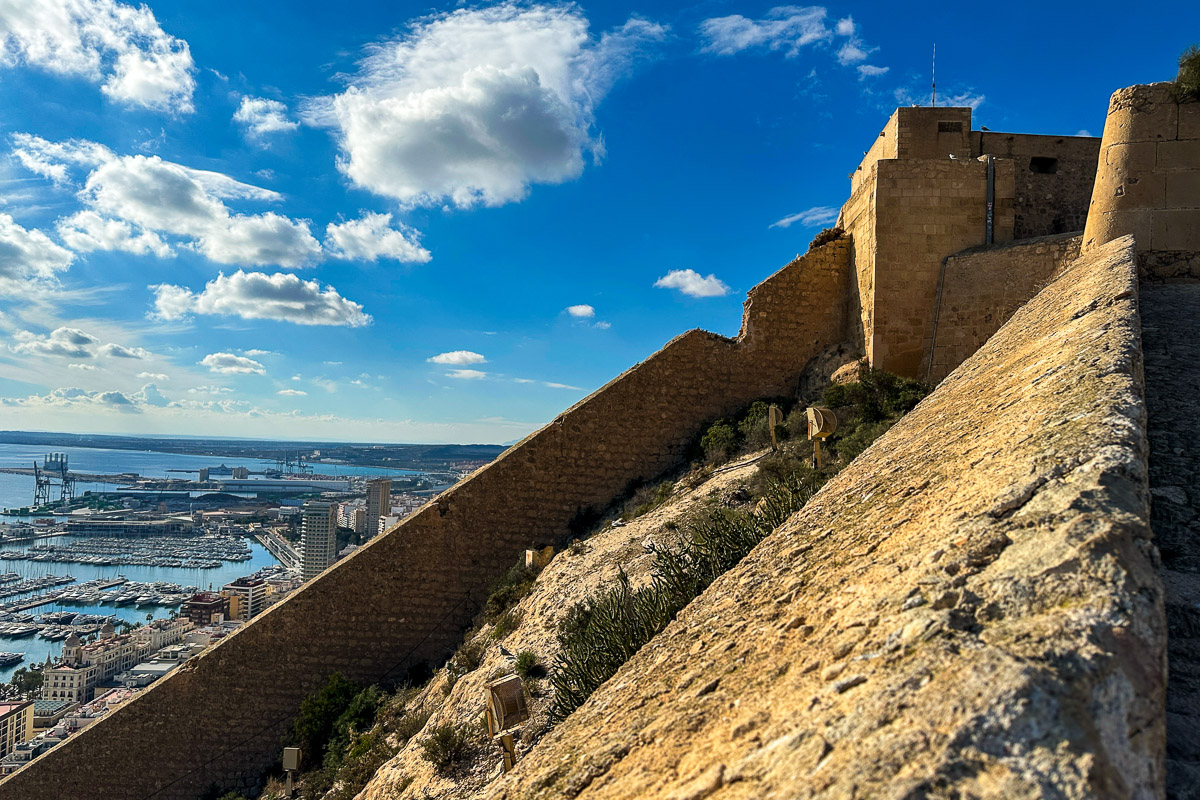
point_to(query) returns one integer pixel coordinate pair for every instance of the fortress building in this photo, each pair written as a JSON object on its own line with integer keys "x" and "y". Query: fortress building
{"x": 977, "y": 606}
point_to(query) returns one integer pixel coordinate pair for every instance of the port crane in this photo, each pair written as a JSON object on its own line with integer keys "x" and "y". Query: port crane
{"x": 54, "y": 473}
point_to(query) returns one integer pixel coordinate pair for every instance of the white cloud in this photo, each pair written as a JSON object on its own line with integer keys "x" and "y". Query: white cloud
{"x": 120, "y": 46}
{"x": 582, "y": 311}
{"x": 73, "y": 396}
{"x": 130, "y": 200}
{"x": 851, "y": 53}
{"x": 818, "y": 215}
{"x": 692, "y": 284}
{"x": 466, "y": 374}
{"x": 554, "y": 385}
{"x": 457, "y": 358}
{"x": 154, "y": 376}
{"x": 117, "y": 351}
{"x": 602, "y": 325}
{"x": 86, "y": 231}
{"x": 149, "y": 395}
{"x": 787, "y": 28}
{"x": 62, "y": 342}
{"x": 870, "y": 71}
{"x": 845, "y": 27}
{"x": 261, "y": 116}
{"x": 371, "y": 237}
{"x": 292, "y": 392}
{"x": 257, "y": 295}
{"x": 28, "y": 256}
{"x": 256, "y": 353}
{"x": 211, "y": 390}
{"x": 52, "y": 159}
{"x": 85, "y": 367}
{"x": 474, "y": 105}
{"x": 230, "y": 364}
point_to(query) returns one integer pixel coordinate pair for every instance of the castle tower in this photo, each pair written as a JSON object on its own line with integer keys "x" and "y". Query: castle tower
{"x": 1148, "y": 182}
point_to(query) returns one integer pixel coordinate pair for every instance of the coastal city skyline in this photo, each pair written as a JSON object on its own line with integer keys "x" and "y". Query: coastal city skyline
{"x": 288, "y": 221}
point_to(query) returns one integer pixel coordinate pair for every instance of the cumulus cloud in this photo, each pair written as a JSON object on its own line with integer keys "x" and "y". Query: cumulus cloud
{"x": 466, "y": 374}
{"x": 260, "y": 116}
{"x": 62, "y": 342}
{"x": 117, "y": 351}
{"x": 786, "y": 28}
{"x": 292, "y": 392}
{"x": 475, "y": 105}
{"x": 85, "y": 367}
{"x": 52, "y": 159}
{"x": 457, "y": 358}
{"x": 73, "y": 396}
{"x": 582, "y": 311}
{"x": 818, "y": 215}
{"x": 66, "y": 342}
{"x": 119, "y": 46}
{"x": 690, "y": 282}
{"x": 230, "y": 364}
{"x": 257, "y": 295}
{"x": 28, "y": 256}
{"x": 132, "y": 200}
{"x": 372, "y": 237}
{"x": 154, "y": 376}
{"x": 86, "y": 231}
{"x": 150, "y": 395}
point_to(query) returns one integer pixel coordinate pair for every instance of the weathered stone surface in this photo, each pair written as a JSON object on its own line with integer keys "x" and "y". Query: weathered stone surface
{"x": 1014, "y": 500}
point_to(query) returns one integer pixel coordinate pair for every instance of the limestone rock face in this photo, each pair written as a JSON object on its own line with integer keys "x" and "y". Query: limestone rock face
{"x": 968, "y": 610}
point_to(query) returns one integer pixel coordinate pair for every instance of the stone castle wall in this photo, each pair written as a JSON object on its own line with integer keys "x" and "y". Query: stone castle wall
{"x": 982, "y": 288}
{"x": 970, "y": 609}
{"x": 1148, "y": 182}
{"x": 406, "y": 596}
{"x": 925, "y": 209}
{"x": 1045, "y": 203}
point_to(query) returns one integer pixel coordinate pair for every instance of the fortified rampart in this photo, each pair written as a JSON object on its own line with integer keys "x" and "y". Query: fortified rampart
{"x": 970, "y": 609}
{"x": 921, "y": 194}
{"x": 406, "y": 597}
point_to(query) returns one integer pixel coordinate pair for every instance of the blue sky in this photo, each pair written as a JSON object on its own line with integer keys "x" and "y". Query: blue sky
{"x": 399, "y": 222}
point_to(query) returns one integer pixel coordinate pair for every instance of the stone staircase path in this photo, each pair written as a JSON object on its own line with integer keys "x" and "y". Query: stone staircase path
{"x": 1171, "y": 343}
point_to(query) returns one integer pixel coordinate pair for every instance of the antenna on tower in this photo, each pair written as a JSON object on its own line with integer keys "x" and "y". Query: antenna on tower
{"x": 933, "y": 74}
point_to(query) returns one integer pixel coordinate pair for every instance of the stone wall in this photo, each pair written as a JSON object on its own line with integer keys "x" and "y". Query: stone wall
{"x": 970, "y": 609}
{"x": 980, "y": 290}
{"x": 406, "y": 596}
{"x": 1148, "y": 182}
{"x": 924, "y": 211}
{"x": 1045, "y": 202}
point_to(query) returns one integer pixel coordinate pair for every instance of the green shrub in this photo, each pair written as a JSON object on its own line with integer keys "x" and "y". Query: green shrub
{"x": 1187, "y": 81}
{"x": 601, "y": 633}
{"x": 358, "y": 717}
{"x": 647, "y": 498}
{"x": 509, "y": 590}
{"x": 369, "y": 752}
{"x": 465, "y": 660}
{"x": 508, "y": 622}
{"x": 444, "y": 747}
{"x": 320, "y": 711}
{"x": 528, "y": 665}
{"x": 718, "y": 442}
{"x": 410, "y": 724}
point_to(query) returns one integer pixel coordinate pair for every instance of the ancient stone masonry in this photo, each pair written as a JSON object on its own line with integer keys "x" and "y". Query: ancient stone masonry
{"x": 406, "y": 596}
{"x": 920, "y": 195}
{"x": 981, "y": 288}
{"x": 1148, "y": 182}
{"x": 970, "y": 609}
